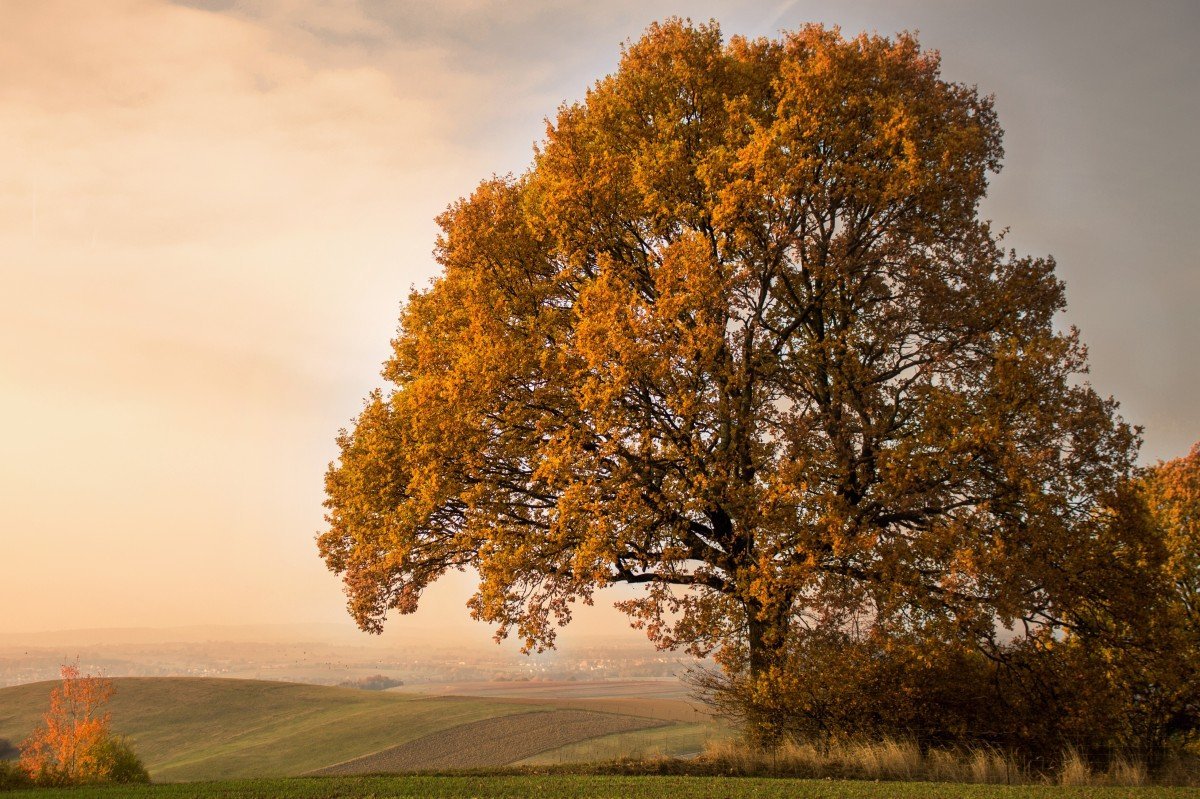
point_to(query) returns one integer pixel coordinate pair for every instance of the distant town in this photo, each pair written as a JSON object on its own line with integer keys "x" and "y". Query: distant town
{"x": 333, "y": 663}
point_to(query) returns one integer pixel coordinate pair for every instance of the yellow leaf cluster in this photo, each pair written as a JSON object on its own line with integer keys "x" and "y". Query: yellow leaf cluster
{"x": 737, "y": 336}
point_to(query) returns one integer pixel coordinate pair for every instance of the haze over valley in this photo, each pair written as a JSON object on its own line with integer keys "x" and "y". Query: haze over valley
{"x": 323, "y": 655}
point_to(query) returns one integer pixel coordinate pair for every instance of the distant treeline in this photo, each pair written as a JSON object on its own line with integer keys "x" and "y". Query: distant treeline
{"x": 376, "y": 682}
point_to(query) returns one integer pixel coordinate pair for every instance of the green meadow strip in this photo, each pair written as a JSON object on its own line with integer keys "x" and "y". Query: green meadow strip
{"x": 568, "y": 786}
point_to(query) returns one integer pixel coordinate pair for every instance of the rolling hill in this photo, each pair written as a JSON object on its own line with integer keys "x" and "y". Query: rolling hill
{"x": 203, "y": 728}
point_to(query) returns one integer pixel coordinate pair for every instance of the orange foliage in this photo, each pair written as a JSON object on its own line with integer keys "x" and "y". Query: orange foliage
{"x": 69, "y": 748}
{"x": 1172, "y": 493}
{"x": 739, "y": 337}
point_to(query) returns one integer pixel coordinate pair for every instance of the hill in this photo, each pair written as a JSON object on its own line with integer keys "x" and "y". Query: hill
{"x": 203, "y": 728}
{"x": 666, "y": 700}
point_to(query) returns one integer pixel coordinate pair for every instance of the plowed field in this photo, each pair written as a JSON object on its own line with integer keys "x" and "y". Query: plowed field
{"x": 691, "y": 712}
{"x": 558, "y": 689}
{"x": 492, "y": 742}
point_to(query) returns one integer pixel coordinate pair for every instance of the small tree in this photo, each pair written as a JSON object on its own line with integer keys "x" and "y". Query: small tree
{"x": 1172, "y": 494}
{"x": 1154, "y": 658}
{"x": 76, "y": 744}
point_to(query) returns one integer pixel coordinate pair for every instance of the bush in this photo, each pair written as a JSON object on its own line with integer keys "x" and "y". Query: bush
{"x": 1034, "y": 699}
{"x": 12, "y": 776}
{"x": 119, "y": 763}
{"x": 109, "y": 759}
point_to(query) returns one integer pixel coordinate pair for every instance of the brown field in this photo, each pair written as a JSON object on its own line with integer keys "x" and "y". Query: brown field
{"x": 564, "y": 689}
{"x": 679, "y": 710}
{"x": 673, "y": 740}
{"x": 493, "y": 742}
{"x": 666, "y": 700}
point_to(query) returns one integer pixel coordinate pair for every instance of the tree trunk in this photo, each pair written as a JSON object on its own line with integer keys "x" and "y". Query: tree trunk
{"x": 765, "y": 723}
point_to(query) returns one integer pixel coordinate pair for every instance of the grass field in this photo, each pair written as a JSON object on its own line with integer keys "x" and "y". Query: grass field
{"x": 203, "y": 729}
{"x": 189, "y": 730}
{"x": 594, "y": 787}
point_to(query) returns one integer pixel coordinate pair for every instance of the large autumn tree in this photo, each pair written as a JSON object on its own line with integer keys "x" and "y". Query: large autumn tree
{"x": 738, "y": 336}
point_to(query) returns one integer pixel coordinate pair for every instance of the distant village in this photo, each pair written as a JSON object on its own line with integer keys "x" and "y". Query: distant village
{"x": 332, "y": 664}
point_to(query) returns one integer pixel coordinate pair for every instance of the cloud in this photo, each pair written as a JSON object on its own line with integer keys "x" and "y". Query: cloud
{"x": 147, "y": 123}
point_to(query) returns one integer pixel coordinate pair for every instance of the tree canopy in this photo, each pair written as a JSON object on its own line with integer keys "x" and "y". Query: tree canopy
{"x": 1161, "y": 673}
{"x": 739, "y": 336}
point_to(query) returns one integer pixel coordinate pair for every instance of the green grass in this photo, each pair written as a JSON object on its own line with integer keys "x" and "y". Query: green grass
{"x": 593, "y": 787}
{"x": 191, "y": 728}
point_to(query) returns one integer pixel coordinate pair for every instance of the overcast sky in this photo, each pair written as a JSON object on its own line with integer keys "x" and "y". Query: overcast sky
{"x": 210, "y": 211}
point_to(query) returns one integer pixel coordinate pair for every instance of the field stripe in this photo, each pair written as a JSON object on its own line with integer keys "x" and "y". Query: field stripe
{"x": 492, "y": 742}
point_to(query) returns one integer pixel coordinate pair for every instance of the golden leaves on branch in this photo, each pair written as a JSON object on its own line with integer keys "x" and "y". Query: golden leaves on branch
{"x": 738, "y": 337}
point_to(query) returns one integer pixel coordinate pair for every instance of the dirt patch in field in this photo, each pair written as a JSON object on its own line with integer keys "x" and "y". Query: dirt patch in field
{"x": 492, "y": 742}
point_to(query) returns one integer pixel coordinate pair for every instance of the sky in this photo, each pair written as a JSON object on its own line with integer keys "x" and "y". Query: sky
{"x": 210, "y": 212}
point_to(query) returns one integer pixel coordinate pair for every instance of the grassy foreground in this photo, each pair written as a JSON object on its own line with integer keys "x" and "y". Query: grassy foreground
{"x": 568, "y": 786}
